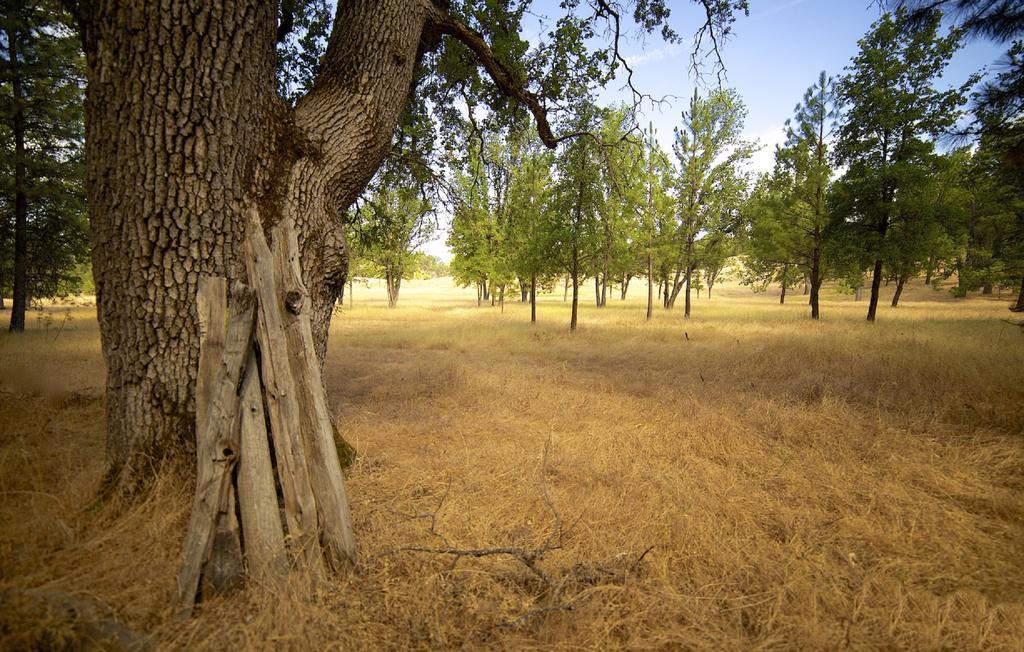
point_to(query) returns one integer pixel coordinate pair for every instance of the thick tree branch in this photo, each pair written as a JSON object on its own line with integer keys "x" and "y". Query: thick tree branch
{"x": 506, "y": 80}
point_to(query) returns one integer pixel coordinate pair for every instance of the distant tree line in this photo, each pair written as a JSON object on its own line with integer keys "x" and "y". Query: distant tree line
{"x": 612, "y": 206}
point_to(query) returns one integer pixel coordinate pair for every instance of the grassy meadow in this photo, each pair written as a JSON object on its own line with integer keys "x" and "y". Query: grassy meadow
{"x": 746, "y": 479}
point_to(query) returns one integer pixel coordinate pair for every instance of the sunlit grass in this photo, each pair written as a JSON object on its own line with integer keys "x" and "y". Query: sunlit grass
{"x": 794, "y": 484}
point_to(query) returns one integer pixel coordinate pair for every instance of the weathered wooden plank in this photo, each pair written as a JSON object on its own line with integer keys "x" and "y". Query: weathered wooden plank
{"x": 282, "y": 400}
{"x": 218, "y": 448}
{"x": 211, "y": 309}
{"x": 223, "y": 572}
{"x": 257, "y": 497}
{"x": 326, "y": 476}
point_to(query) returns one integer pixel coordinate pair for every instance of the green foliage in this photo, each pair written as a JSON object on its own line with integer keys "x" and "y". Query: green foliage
{"x": 394, "y": 219}
{"x": 710, "y": 185}
{"x": 787, "y": 214}
{"x": 304, "y": 26}
{"x": 893, "y": 112}
{"x": 51, "y": 72}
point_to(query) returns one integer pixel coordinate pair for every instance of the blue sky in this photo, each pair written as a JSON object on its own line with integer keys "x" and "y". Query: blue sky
{"x": 771, "y": 58}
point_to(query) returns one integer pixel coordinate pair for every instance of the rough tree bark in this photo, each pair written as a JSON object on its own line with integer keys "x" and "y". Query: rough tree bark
{"x": 184, "y": 130}
{"x": 183, "y": 127}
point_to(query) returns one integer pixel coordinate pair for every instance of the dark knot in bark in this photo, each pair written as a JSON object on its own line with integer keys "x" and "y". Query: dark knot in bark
{"x": 293, "y": 301}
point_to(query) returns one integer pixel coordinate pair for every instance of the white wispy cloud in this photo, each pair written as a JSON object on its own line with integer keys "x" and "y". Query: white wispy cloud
{"x": 779, "y": 8}
{"x": 657, "y": 54}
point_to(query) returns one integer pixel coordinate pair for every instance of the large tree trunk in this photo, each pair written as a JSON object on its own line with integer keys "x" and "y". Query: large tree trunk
{"x": 19, "y": 299}
{"x": 876, "y": 286}
{"x": 184, "y": 129}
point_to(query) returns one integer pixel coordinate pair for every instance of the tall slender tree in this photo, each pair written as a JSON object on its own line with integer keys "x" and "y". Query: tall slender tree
{"x": 709, "y": 150}
{"x": 790, "y": 220}
{"x": 42, "y": 72}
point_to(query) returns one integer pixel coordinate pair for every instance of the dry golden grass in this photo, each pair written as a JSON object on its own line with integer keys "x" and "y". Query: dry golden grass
{"x": 793, "y": 484}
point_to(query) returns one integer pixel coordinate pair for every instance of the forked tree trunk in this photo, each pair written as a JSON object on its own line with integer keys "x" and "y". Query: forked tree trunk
{"x": 900, "y": 281}
{"x": 677, "y": 285}
{"x": 625, "y": 286}
{"x": 393, "y": 281}
{"x": 183, "y": 128}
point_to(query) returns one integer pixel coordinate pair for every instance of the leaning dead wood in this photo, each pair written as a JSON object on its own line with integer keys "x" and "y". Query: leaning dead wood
{"x": 325, "y": 472}
{"x": 223, "y": 571}
{"x": 257, "y": 498}
{"x": 282, "y": 399}
{"x": 217, "y": 451}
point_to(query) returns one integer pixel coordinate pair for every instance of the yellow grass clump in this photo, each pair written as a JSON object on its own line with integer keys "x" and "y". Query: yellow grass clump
{"x": 745, "y": 479}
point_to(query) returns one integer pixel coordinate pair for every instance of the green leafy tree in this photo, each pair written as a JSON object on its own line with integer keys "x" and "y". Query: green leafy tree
{"x": 710, "y": 185}
{"x": 577, "y": 197}
{"x": 529, "y": 206}
{"x": 473, "y": 230}
{"x": 616, "y": 258}
{"x": 394, "y": 220}
{"x": 893, "y": 111}
{"x": 657, "y": 223}
{"x": 788, "y": 229}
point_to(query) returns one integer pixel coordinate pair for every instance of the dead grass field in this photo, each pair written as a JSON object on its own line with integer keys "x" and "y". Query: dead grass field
{"x": 767, "y": 483}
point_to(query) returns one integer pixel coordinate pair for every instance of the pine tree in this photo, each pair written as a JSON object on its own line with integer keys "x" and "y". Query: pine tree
{"x": 41, "y": 163}
{"x": 789, "y": 223}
